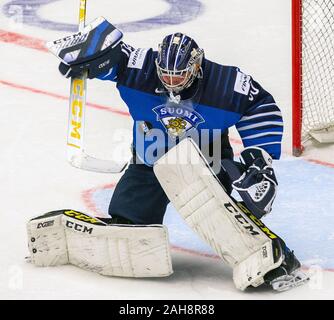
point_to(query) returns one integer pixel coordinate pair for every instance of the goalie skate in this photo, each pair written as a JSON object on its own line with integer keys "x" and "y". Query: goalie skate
{"x": 289, "y": 281}
{"x": 288, "y": 275}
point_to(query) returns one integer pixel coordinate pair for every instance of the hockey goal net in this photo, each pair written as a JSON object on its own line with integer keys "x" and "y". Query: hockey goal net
{"x": 313, "y": 71}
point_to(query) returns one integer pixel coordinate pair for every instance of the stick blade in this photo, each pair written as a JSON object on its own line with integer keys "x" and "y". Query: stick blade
{"x": 89, "y": 163}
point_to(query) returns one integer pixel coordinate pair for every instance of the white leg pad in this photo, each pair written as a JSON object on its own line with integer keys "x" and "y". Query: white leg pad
{"x": 239, "y": 239}
{"x": 47, "y": 240}
{"x": 113, "y": 250}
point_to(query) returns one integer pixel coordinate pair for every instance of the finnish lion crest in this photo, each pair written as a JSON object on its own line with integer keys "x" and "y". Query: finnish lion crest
{"x": 177, "y": 119}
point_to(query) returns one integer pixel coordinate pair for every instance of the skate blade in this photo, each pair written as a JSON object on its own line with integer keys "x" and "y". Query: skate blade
{"x": 287, "y": 282}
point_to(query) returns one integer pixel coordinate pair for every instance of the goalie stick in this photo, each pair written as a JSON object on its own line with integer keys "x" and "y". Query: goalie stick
{"x": 76, "y": 155}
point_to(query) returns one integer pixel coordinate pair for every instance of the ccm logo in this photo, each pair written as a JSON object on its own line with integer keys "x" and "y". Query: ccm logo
{"x": 77, "y": 108}
{"x": 45, "y": 224}
{"x": 105, "y": 63}
{"x": 78, "y": 227}
{"x": 241, "y": 219}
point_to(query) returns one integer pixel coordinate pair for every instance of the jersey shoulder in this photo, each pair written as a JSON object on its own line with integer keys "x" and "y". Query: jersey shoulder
{"x": 218, "y": 84}
{"x": 138, "y": 70}
{"x": 225, "y": 87}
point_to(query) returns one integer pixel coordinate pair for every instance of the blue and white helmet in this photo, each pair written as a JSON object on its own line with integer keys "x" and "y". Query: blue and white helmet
{"x": 179, "y": 62}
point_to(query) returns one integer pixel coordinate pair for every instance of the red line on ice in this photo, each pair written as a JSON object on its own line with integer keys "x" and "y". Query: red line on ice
{"x": 87, "y": 197}
{"x": 61, "y": 97}
{"x": 22, "y": 40}
{"x": 323, "y": 163}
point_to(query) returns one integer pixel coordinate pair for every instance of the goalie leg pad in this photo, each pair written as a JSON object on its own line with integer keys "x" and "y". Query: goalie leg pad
{"x": 113, "y": 250}
{"x": 237, "y": 237}
{"x": 47, "y": 241}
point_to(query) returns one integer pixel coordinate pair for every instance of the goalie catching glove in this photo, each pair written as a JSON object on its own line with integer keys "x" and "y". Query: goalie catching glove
{"x": 254, "y": 179}
{"x": 96, "y": 50}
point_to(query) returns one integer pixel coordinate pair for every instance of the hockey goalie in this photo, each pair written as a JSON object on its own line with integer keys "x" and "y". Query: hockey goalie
{"x": 182, "y": 105}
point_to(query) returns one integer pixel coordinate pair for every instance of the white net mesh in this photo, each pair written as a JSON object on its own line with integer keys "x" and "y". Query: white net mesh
{"x": 318, "y": 65}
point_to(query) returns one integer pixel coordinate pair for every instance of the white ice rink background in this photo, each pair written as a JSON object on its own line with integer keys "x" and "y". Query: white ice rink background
{"x": 35, "y": 177}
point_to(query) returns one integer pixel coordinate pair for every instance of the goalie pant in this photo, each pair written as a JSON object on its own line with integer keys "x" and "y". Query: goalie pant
{"x": 138, "y": 197}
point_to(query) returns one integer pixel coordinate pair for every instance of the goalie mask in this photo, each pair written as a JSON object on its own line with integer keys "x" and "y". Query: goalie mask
{"x": 179, "y": 62}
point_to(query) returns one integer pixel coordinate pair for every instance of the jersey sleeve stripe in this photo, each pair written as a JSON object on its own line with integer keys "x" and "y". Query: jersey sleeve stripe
{"x": 126, "y": 49}
{"x": 264, "y": 139}
{"x": 265, "y": 105}
{"x": 250, "y": 132}
{"x": 259, "y": 125}
{"x": 126, "y": 53}
{"x": 262, "y": 114}
{"x": 259, "y": 120}
{"x": 265, "y": 144}
{"x": 262, "y": 135}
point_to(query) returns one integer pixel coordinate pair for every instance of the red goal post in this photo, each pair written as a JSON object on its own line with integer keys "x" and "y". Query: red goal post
{"x": 312, "y": 72}
{"x": 296, "y": 76}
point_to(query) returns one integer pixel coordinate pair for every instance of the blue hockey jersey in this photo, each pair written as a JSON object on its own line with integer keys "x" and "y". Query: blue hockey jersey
{"x": 224, "y": 97}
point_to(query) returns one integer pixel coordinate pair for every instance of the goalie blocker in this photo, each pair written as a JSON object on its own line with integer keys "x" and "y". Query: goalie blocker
{"x": 95, "y": 49}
